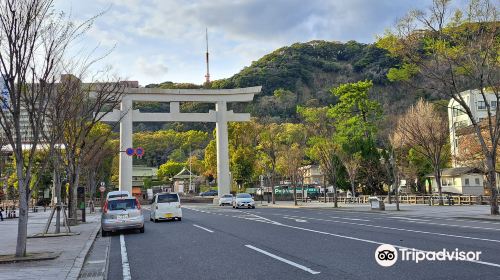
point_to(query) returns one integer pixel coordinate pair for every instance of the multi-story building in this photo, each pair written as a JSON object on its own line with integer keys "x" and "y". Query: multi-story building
{"x": 312, "y": 174}
{"x": 457, "y": 118}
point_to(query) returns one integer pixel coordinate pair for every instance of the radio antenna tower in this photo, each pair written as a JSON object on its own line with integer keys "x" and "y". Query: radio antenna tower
{"x": 207, "y": 76}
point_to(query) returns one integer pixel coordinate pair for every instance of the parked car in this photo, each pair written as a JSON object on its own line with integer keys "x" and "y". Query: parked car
{"x": 243, "y": 200}
{"x": 115, "y": 194}
{"x": 121, "y": 213}
{"x": 166, "y": 206}
{"x": 210, "y": 193}
{"x": 226, "y": 199}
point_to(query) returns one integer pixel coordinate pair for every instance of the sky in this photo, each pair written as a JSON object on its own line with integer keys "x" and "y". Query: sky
{"x": 154, "y": 41}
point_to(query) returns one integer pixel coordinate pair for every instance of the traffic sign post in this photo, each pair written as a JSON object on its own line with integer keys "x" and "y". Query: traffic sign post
{"x": 102, "y": 189}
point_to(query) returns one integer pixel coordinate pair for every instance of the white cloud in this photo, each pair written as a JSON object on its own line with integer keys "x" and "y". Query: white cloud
{"x": 151, "y": 67}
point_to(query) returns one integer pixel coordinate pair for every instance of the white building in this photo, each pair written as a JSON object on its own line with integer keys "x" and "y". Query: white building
{"x": 312, "y": 174}
{"x": 457, "y": 118}
{"x": 460, "y": 180}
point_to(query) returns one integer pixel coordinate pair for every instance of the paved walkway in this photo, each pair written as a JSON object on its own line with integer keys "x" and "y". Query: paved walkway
{"x": 73, "y": 249}
{"x": 463, "y": 211}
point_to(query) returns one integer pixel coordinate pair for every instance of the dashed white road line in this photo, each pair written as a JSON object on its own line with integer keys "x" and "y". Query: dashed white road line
{"x": 125, "y": 264}
{"x": 203, "y": 228}
{"x": 297, "y": 220}
{"x": 299, "y": 266}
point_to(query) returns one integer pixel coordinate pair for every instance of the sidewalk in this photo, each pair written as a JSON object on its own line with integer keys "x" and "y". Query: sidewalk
{"x": 72, "y": 249}
{"x": 479, "y": 212}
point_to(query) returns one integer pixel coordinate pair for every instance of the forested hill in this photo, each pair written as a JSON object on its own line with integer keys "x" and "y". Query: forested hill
{"x": 303, "y": 74}
{"x": 310, "y": 70}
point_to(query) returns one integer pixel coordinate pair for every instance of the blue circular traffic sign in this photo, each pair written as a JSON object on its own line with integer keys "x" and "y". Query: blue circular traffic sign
{"x": 139, "y": 151}
{"x": 130, "y": 151}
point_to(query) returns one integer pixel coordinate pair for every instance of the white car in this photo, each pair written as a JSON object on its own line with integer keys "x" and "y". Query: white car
{"x": 243, "y": 200}
{"x": 226, "y": 199}
{"x": 115, "y": 194}
{"x": 166, "y": 206}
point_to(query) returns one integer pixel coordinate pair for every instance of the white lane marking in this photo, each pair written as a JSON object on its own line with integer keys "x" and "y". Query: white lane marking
{"x": 375, "y": 242}
{"x": 282, "y": 259}
{"x": 95, "y": 262}
{"x": 400, "y": 229}
{"x": 297, "y": 220}
{"x": 409, "y": 219}
{"x": 206, "y": 229}
{"x": 125, "y": 264}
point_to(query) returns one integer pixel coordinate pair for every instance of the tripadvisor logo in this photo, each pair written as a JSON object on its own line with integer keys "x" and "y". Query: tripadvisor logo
{"x": 386, "y": 255}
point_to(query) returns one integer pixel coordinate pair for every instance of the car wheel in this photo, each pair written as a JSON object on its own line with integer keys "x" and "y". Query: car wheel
{"x": 155, "y": 220}
{"x": 253, "y": 207}
{"x": 104, "y": 233}
{"x": 142, "y": 229}
{"x": 233, "y": 206}
{"x": 180, "y": 219}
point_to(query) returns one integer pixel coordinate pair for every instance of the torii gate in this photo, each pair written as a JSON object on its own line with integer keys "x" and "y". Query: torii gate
{"x": 126, "y": 116}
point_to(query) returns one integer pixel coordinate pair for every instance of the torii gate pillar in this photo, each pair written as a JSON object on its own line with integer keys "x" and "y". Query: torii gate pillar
{"x": 125, "y": 169}
{"x": 223, "y": 178}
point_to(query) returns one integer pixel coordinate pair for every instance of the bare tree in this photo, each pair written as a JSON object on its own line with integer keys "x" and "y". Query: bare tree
{"x": 423, "y": 129}
{"x": 448, "y": 54}
{"x": 33, "y": 41}
{"x": 289, "y": 163}
{"x": 90, "y": 103}
{"x": 352, "y": 164}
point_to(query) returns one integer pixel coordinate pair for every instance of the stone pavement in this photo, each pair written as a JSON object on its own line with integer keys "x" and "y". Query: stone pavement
{"x": 73, "y": 249}
{"x": 462, "y": 211}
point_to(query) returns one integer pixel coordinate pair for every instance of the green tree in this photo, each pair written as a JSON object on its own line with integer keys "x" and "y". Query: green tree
{"x": 169, "y": 169}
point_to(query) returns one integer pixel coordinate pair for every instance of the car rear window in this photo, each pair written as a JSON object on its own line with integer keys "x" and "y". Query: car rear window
{"x": 120, "y": 204}
{"x": 243, "y": 195}
{"x": 170, "y": 197}
{"x": 228, "y": 195}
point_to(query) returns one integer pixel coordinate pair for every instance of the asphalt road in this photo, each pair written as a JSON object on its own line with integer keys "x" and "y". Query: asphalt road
{"x": 268, "y": 243}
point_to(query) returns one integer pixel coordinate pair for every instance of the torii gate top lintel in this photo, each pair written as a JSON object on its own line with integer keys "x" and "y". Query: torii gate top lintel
{"x": 191, "y": 95}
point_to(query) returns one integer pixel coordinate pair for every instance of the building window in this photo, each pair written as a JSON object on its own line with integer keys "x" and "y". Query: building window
{"x": 466, "y": 182}
{"x": 477, "y": 181}
{"x": 446, "y": 182}
{"x": 481, "y": 105}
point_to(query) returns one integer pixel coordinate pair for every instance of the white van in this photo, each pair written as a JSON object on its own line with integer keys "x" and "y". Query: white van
{"x": 166, "y": 206}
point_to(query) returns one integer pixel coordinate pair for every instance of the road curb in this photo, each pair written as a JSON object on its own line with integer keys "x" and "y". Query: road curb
{"x": 80, "y": 260}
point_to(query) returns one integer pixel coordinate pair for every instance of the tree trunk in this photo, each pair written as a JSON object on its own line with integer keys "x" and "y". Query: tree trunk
{"x": 22, "y": 225}
{"x": 73, "y": 209}
{"x": 437, "y": 174}
{"x": 492, "y": 184}
{"x": 353, "y": 190}
{"x": 295, "y": 195}
{"x": 335, "y": 203}
{"x": 272, "y": 190}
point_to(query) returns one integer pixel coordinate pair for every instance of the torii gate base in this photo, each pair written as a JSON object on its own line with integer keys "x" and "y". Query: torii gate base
{"x": 126, "y": 116}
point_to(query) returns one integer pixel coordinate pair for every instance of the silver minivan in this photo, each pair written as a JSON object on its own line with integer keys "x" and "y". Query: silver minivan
{"x": 121, "y": 213}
